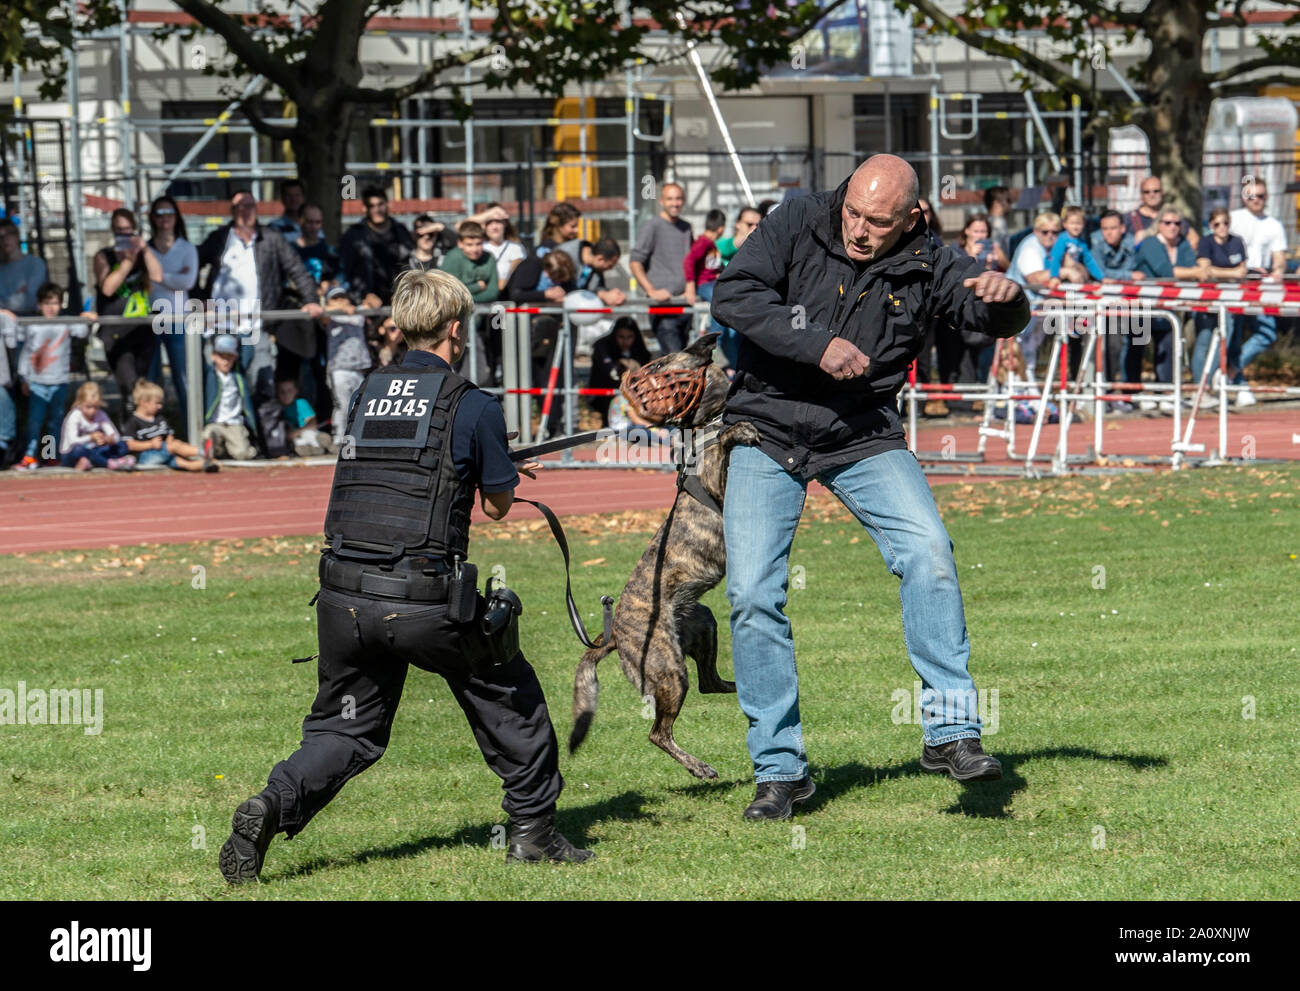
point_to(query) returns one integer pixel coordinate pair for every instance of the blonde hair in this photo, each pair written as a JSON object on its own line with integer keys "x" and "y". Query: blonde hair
{"x": 1047, "y": 217}
{"x": 1071, "y": 211}
{"x": 87, "y": 390}
{"x": 426, "y": 304}
{"x": 144, "y": 389}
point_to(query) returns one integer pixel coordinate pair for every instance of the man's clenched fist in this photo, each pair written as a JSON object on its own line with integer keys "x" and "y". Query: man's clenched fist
{"x": 842, "y": 360}
{"x": 993, "y": 288}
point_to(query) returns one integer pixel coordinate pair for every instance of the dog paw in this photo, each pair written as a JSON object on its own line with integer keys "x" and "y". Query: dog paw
{"x": 704, "y": 772}
{"x": 745, "y": 434}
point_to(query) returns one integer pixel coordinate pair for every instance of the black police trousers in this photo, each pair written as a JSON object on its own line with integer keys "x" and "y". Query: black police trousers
{"x": 366, "y": 645}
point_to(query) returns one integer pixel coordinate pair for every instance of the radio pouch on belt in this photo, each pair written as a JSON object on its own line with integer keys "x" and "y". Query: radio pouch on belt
{"x": 462, "y": 593}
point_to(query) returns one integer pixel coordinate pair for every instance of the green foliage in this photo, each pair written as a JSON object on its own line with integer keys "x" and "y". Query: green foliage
{"x": 35, "y": 34}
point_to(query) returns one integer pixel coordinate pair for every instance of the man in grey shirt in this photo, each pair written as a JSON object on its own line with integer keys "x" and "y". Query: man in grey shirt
{"x": 656, "y": 265}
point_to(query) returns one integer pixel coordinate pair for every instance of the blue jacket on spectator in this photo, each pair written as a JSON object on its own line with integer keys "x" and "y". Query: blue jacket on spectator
{"x": 212, "y": 397}
{"x": 1064, "y": 243}
{"x": 1117, "y": 262}
{"x": 1153, "y": 258}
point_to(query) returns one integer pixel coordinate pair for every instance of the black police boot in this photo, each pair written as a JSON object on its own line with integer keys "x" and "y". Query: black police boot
{"x": 776, "y": 799}
{"x": 257, "y": 820}
{"x": 964, "y": 759}
{"x": 536, "y": 839}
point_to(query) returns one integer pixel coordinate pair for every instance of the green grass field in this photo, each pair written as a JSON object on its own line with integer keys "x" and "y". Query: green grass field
{"x": 1147, "y": 729}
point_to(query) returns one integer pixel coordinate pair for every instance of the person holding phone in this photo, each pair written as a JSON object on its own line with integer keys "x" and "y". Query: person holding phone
{"x": 124, "y": 275}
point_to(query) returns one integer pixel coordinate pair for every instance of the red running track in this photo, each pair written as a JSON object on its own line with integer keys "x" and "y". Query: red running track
{"x": 48, "y": 511}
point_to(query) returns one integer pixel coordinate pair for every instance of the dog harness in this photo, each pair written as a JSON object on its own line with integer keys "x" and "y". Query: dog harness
{"x": 689, "y": 481}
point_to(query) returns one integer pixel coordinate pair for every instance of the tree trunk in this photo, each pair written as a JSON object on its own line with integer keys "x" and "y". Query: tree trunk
{"x": 1180, "y": 98}
{"x": 320, "y": 148}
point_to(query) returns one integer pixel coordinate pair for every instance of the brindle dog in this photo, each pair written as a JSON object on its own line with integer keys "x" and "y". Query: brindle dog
{"x": 659, "y": 619}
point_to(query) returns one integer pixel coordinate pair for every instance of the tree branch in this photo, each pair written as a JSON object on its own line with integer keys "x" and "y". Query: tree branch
{"x": 241, "y": 43}
{"x": 1005, "y": 49}
{"x": 1106, "y": 14}
{"x": 1251, "y": 85}
{"x": 424, "y": 81}
{"x": 276, "y": 132}
{"x": 1249, "y": 65}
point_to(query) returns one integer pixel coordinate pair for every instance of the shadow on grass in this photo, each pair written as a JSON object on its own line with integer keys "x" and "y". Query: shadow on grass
{"x": 983, "y": 799}
{"x": 572, "y": 822}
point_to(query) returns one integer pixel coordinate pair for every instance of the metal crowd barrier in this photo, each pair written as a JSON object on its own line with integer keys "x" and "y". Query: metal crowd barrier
{"x": 1095, "y": 390}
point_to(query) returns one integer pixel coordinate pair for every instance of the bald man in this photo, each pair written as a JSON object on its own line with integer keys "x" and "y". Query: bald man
{"x": 832, "y": 295}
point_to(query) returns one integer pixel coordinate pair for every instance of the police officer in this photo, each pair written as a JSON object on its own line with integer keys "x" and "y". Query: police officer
{"x": 395, "y": 590}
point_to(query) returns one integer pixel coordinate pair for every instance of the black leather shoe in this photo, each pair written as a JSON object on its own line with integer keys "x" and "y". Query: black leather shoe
{"x": 775, "y": 799}
{"x": 256, "y": 821}
{"x": 964, "y": 759}
{"x": 535, "y": 840}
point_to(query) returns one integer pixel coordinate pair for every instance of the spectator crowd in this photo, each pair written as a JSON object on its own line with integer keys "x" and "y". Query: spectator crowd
{"x": 282, "y": 388}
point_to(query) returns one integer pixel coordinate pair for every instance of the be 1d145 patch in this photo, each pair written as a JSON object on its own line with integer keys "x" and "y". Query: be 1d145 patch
{"x": 395, "y": 410}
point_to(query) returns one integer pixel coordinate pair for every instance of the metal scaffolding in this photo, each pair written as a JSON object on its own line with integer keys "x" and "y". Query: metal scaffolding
{"x": 139, "y": 181}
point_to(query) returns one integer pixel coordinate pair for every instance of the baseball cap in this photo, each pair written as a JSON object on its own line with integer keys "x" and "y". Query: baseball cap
{"x": 225, "y": 344}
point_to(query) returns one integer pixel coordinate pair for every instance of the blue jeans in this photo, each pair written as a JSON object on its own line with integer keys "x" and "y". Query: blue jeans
{"x": 671, "y": 330}
{"x": 890, "y": 497}
{"x": 728, "y": 339}
{"x": 159, "y": 457}
{"x": 44, "y": 414}
{"x": 174, "y": 342}
{"x": 97, "y": 456}
{"x": 1205, "y": 324}
{"x": 1264, "y": 337}
{"x": 8, "y": 417}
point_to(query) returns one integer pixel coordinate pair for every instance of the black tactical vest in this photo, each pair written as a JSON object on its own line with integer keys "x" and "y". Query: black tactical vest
{"x": 399, "y": 493}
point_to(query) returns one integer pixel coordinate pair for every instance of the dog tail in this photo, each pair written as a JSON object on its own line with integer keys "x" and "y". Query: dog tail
{"x": 586, "y": 689}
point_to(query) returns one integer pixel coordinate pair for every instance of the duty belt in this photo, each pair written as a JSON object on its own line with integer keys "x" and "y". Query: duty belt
{"x": 361, "y": 579}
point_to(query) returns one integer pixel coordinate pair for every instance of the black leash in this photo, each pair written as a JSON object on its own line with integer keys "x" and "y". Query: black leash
{"x": 575, "y": 617}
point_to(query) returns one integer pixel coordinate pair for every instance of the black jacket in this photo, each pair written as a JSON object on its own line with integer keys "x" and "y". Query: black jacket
{"x": 277, "y": 263}
{"x": 372, "y": 260}
{"x": 791, "y": 288}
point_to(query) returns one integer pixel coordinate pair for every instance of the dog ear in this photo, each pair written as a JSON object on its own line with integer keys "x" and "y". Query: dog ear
{"x": 703, "y": 348}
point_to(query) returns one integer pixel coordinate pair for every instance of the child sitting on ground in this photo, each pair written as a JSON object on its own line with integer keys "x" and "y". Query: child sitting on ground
{"x": 89, "y": 438}
{"x": 151, "y": 438}
{"x": 230, "y": 420}
{"x": 43, "y": 369}
{"x": 300, "y": 422}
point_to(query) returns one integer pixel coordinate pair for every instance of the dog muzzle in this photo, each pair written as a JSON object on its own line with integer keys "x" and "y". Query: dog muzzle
{"x": 663, "y": 396}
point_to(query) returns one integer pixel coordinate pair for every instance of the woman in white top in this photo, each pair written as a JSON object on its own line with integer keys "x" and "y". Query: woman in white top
{"x": 180, "y": 267}
{"x": 502, "y": 241}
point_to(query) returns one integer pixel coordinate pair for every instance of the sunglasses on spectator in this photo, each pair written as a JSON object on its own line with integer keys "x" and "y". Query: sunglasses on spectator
{"x": 1218, "y": 223}
{"x": 164, "y": 211}
{"x": 1148, "y": 191}
{"x": 1254, "y": 199}
{"x": 423, "y": 234}
{"x": 1049, "y": 230}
